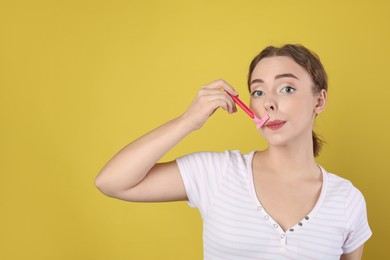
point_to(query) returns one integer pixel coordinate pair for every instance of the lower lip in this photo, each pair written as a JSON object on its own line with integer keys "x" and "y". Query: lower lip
{"x": 275, "y": 126}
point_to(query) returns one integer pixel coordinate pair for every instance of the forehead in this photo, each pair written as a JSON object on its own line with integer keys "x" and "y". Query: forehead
{"x": 269, "y": 67}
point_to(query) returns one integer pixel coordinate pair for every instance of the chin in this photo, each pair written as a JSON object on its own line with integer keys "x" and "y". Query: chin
{"x": 276, "y": 140}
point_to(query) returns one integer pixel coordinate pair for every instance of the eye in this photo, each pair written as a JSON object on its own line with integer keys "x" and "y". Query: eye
{"x": 287, "y": 90}
{"x": 257, "y": 93}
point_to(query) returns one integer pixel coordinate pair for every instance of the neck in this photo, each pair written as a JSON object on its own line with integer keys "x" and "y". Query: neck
{"x": 291, "y": 160}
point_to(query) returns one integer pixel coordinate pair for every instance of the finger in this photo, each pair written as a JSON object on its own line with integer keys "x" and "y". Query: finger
{"x": 216, "y": 99}
{"x": 222, "y": 104}
{"x": 227, "y": 103}
{"x": 221, "y": 84}
{"x": 231, "y": 102}
{"x": 217, "y": 89}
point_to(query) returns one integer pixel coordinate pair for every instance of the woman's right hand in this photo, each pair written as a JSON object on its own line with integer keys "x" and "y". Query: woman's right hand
{"x": 209, "y": 98}
{"x": 133, "y": 174}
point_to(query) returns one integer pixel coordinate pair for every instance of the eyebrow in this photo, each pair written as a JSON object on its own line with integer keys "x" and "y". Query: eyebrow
{"x": 279, "y": 76}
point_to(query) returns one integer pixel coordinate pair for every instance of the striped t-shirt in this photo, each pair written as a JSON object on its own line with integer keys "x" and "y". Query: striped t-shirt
{"x": 236, "y": 226}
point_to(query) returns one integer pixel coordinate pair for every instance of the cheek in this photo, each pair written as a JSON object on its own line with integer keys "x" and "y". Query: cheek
{"x": 291, "y": 106}
{"x": 304, "y": 110}
{"x": 256, "y": 106}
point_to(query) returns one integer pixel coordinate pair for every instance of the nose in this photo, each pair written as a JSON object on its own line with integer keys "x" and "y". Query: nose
{"x": 270, "y": 104}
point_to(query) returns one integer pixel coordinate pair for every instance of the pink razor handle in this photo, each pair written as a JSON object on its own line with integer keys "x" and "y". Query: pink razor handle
{"x": 259, "y": 122}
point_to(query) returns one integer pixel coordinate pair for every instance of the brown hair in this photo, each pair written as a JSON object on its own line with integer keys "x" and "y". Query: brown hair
{"x": 309, "y": 61}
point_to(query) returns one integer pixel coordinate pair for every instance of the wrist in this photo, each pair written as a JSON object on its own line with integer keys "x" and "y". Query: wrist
{"x": 187, "y": 123}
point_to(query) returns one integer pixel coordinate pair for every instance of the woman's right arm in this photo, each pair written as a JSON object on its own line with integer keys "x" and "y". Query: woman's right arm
{"x": 133, "y": 174}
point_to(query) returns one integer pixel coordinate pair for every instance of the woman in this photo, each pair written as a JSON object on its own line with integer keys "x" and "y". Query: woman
{"x": 272, "y": 204}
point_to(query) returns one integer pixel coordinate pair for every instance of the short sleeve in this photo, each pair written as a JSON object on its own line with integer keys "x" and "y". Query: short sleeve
{"x": 201, "y": 173}
{"x": 358, "y": 230}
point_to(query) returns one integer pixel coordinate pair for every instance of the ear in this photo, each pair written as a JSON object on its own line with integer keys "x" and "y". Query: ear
{"x": 321, "y": 101}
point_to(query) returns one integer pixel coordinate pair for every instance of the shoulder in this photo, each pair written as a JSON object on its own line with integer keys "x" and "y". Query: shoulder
{"x": 228, "y": 161}
{"x": 345, "y": 190}
{"x": 337, "y": 183}
{"x": 234, "y": 156}
{"x": 357, "y": 230}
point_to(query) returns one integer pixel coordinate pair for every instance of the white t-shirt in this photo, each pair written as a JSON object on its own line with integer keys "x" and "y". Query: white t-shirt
{"x": 236, "y": 226}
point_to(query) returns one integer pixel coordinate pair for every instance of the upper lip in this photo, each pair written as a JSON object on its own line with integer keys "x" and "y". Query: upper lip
{"x": 275, "y": 122}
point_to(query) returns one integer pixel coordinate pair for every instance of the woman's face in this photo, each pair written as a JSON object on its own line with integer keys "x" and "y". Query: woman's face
{"x": 284, "y": 90}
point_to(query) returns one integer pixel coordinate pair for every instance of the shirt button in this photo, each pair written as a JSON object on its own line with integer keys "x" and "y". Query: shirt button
{"x": 266, "y": 217}
{"x": 276, "y": 226}
{"x": 282, "y": 236}
{"x": 259, "y": 207}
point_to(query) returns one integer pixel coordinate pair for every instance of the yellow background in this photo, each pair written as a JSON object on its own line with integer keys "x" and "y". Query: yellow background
{"x": 80, "y": 79}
